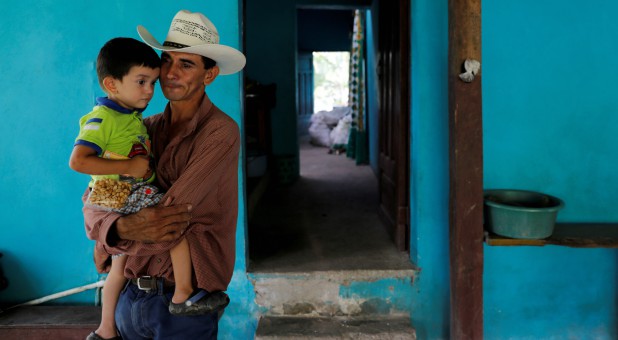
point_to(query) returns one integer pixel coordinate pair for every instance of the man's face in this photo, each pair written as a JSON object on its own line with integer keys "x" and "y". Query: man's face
{"x": 183, "y": 76}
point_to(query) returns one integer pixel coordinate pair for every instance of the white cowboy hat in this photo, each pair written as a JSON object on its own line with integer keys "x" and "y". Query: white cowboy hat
{"x": 194, "y": 33}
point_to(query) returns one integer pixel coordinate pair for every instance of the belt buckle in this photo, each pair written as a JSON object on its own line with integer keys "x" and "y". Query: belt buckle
{"x": 148, "y": 282}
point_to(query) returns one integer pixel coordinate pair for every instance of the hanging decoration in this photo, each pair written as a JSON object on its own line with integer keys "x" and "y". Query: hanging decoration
{"x": 357, "y": 144}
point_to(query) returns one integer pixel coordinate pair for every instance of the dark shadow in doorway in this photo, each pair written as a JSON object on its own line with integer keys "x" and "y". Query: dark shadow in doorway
{"x": 326, "y": 220}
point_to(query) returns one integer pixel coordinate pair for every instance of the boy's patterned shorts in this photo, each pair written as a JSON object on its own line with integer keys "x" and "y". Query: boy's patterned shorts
{"x": 143, "y": 195}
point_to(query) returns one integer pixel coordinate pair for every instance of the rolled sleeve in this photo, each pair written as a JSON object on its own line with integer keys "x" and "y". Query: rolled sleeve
{"x": 98, "y": 223}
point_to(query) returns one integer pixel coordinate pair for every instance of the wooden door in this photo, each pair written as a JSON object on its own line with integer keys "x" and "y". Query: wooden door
{"x": 394, "y": 84}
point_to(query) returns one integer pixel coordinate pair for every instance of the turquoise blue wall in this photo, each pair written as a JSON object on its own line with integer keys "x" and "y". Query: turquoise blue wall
{"x": 429, "y": 167}
{"x": 49, "y": 81}
{"x": 549, "y": 111}
{"x": 373, "y": 117}
{"x": 271, "y": 52}
{"x": 549, "y": 125}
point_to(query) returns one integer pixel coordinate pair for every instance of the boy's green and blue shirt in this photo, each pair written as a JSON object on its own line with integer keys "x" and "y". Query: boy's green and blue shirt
{"x": 114, "y": 132}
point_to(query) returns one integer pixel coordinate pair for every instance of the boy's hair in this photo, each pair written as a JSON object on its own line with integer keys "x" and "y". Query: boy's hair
{"x": 118, "y": 55}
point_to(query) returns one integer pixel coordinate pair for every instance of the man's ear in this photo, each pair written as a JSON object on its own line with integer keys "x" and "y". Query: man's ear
{"x": 109, "y": 85}
{"x": 211, "y": 74}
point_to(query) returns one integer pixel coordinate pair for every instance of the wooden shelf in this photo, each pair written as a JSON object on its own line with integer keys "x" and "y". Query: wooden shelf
{"x": 577, "y": 235}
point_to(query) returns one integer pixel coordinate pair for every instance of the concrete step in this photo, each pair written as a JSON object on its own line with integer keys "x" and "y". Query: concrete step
{"x": 335, "y": 293}
{"x": 299, "y": 328}
{"x": 49, "y": 322}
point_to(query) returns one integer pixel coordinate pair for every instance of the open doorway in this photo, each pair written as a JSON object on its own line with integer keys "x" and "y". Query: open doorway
{"x": 331, "y": 79}
{"x": 331, "y": 120}
{"x": 329, "y": 217}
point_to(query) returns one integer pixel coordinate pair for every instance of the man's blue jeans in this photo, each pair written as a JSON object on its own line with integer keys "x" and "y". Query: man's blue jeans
{"x": 144, "y": 315}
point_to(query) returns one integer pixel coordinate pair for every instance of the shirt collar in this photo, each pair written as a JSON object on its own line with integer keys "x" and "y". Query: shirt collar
{"x": 105, "y": 101}
{"x": 202, "y": 113}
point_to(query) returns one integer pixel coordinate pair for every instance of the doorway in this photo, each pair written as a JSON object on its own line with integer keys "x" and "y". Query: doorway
{"x": 328, "y": 218}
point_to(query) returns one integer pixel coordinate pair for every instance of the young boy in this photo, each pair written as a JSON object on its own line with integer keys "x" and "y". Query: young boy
{"x": 113, "y": 144}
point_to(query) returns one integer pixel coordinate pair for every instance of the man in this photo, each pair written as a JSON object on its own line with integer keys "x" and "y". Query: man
{"x": 196, "y": 149}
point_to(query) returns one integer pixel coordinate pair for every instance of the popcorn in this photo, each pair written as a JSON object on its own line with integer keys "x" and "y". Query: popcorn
{"x": 110, "y": 193}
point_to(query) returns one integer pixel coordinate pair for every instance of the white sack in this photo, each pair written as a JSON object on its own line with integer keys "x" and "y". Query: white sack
{"x": 341, "y": 132}
{"x": 319, "y": 131}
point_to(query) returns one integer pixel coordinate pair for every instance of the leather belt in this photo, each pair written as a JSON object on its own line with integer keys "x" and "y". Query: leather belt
{"x": 148, "y": 283}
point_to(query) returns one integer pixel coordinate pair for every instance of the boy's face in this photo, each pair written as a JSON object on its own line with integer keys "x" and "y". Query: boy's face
{"x": 136, "y": 88}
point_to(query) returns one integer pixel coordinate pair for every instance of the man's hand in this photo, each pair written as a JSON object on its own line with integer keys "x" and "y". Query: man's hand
{"x": 155, "y": 224}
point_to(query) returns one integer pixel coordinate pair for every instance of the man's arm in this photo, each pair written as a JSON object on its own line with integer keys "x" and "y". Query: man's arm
{"x": 132, "y": 234}
{"x": 157, "y": 224}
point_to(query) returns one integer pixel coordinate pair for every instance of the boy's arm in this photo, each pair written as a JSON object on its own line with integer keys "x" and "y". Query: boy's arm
{"x": 85, "y": 160}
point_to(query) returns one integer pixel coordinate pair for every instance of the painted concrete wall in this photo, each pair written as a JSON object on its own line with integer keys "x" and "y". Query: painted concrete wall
{"x": 549, "y": 125}
{"x": 372, "y": 88}
{"x": 49, "y": 82}
{"x": 271, "y": 48}
{"x": 429, "y": 168}
{"x": 324, "y": 30}
{"x": 549, "y": 110}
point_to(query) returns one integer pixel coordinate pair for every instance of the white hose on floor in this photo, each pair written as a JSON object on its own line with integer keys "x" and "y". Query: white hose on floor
{"x": 61, "y": 294}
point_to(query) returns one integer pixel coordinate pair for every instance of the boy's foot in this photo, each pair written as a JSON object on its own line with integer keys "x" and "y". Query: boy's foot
{"x": 200, "y": 303}
{"x": 95, "y": 336}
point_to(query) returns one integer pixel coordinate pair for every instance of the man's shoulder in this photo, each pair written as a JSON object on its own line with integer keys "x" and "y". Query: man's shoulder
{"x": 219, "y": 120}
{"x": 218, "y": 125}
{"x": 222, "y": 118}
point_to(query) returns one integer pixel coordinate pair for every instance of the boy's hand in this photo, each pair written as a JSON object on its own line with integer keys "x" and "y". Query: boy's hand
{"x": 139, "y": 167}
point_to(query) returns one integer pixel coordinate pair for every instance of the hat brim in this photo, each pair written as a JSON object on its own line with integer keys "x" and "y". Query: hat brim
{"x": 229, "y": 59}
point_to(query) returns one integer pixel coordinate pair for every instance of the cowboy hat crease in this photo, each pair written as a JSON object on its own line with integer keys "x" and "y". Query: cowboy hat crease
{"x": 194, "y": 33}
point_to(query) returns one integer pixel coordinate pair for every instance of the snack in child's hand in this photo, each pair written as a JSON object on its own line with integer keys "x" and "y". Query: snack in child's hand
{"x": 110, "y": 193}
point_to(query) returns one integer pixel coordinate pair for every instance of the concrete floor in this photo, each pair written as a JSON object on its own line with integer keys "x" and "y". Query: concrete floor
{"x": 326, "y": 220}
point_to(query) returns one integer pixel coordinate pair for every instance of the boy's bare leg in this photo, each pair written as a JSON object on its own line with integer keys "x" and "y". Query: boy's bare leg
{"x": 111, "y": 291}
{"x": 184, "y": 301}
{"x": 181, "y": 263}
